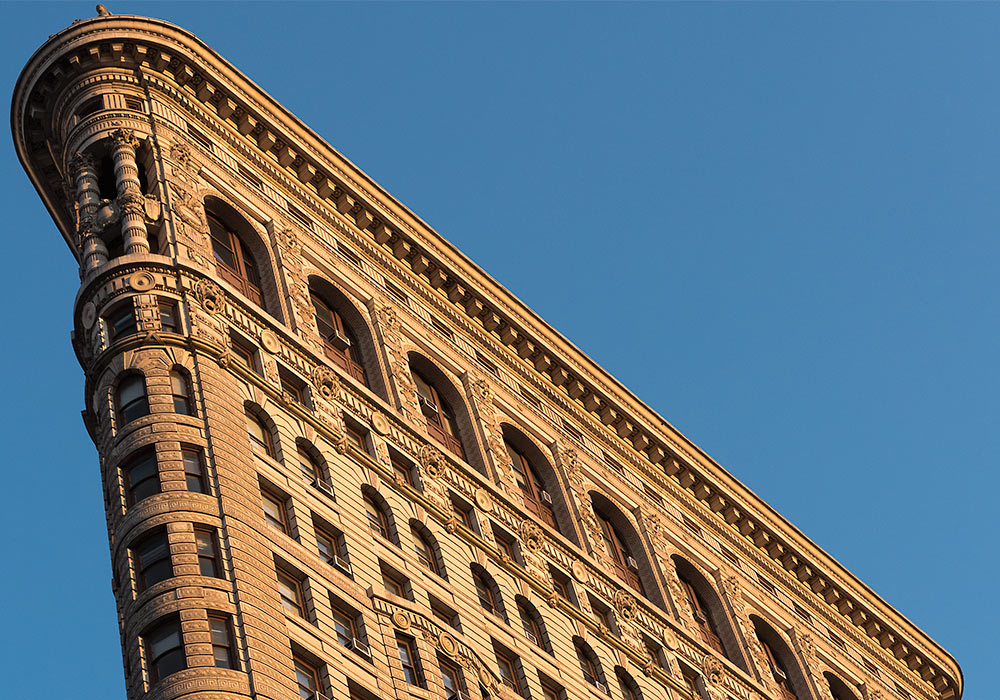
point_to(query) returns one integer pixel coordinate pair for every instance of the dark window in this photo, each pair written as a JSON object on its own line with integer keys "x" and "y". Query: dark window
{"x": 486, "y": 590}
{"x": 164, "y": 649}
{"x": 561, "y": 585}
{"x": 260, "y": 435}
{"x": 274, "y": 511}
{"x": 378, "y": 521}
{"x": 292, "y": 387}
{"x": 630, "y": 690}
{"x": 507, "y": 665}
{"x": 339, "y": 342}
{"x": 553, "y": 691}
{"x": 451, "y": 680}
{"x": 222, "y": 641}
{"x": 355, "y": 436}
{"x": 589, "y": 667}
{"x": 194, "y": 470}
{"x": 531, "y": 625}
{"x": 445, "y": 614}
{"x": 94, "y": 104}
{"x": 234, "y": 261}
{"x": 180, "y": 388}
{"x": 132, "y": 402}
{"x": 702, "y": 615}
{"x": 778, "y": 670}
{"x": 424, "y": 549}
{"x": 308, "y": 465}
{"x": 409, "y": 661}
{"x": 168, "y": 316}
{"x": 142, "y": 478}
{"x": 121, "y": 321}
{"x": 151, "y": 556}
{"x": 306, "y": 678}
{"x": 626, "y": 566}
{"x": 208, "y": 553}
{"x": 440, "y": 419}
{"x": 463, "y": 513}
{"x": 290, "y": 593}
{"x": 394, "y": 584}
{"x": 403, "y": 470}
{"x": 244, "y": 354}
{"x": 537, "y": 498}
{"x": 344, "y": 624}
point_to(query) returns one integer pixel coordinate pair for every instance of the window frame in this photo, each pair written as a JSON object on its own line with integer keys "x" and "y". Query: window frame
{"x": 228, "y": 643}
{"x": 142, "y": 566}
{"x": 281, "y": 524}
{"x": 441, "y": 421}
{"x": 214, "y": 558}
{"x": 146, "y": 455}
{"x": 266, "y": 441}
{"x": 531, "y": 485}
{"x": 294, "y": 604}
{"x": 412, "y": 672}
{"x": 155, "y": 660}
{"x": 240, "y": 274}
{"x": 304, "y": 669}
{"x": 347, "y": 358}
{"x": 124, "y": 409}
{"x": 182, "y": 395}
{"x": 194, "y": 455}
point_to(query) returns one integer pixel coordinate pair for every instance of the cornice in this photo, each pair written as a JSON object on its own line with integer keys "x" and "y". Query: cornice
{"x": 329, "y": 182}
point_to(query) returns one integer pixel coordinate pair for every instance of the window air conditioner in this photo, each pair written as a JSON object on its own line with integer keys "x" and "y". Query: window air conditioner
{"x": 429, "y": 409}
{"x": 318, "y": 696}
{"x": 531, "y": 637}
{"x": 338, "y": 340}
{"x": 324, "y": 487}
{"x": 343, "y": 565}
{"x": 601, "y": 687}
{"x": 632, "y": 563}
{"x": 361, "y": 648}
{"x": 779, "y": 675}
{"x": 545, "y": 496}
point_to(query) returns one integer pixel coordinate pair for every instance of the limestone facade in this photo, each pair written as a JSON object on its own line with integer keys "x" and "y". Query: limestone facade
{"x": 340, "y": 460}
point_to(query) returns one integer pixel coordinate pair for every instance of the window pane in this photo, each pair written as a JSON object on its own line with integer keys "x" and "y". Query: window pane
{"x": 168, "y": 317}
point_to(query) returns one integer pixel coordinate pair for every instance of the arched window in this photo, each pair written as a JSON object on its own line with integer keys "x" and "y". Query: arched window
{"x": 377, "y": 513}
{"x": 536, "y": 493}
{"x": 441, "y": 423}
{"x": 308, "y": 465}
{"x": 630, "y": 689}
{"x": 705, "y": 605}
{"x": 180, "y": 387}
{"x": 234, "y": 261}
{"x": 339, "y": 341}
{"x": 130, "y": 398}
{"x": 589, "y": 665}
{"x": 779, "y": 659}
{"x": 426, "y": 550}
{"x": 260, "y": 434}
{"x": 488, "y": 593}
{"x": 626, "y": 565}
{"x": 531, "y": 623}
{"x": 838, "y": 688}
{"x": 142, "y": 476}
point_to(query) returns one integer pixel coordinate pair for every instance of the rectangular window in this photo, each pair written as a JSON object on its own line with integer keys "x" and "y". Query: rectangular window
{"x": 552, "y": 691}
{"x": 299, "y": 216}
{"x": 292, "y": 387}
{"x": 151, "y": 558}
{"x": 452, "y": 680}
{"x": 463, "y": 512}
{"x": 306, "y": 678}
{"x": 290, "y": 594}
{"x": 274, "y": 511}
{"x": 507, "y": 666}
{"x": 222, "y": 641}
{"x": 168, "y": 316}
{"x": 505, "y": 542}
{"x": 142, "y": 478}
{"x": 164, "y": 650}
{"x": 199, "y": 137}
{"x": 355, "y": 436}
{"x": 194, "y": 470}
{"x": 402, "y": 470}
{"x": 121, "y": 322}
{"x": 344, "y": 623}
{"x": 329, "y": 545}
{"x": 408, "y": 659}
{"x": 252, "y": 179}
{"x": 394, "y": 582}
{"x": 244, "y": 354}
{"x": 208, "y": 553}
{"x": 445, "y": 615}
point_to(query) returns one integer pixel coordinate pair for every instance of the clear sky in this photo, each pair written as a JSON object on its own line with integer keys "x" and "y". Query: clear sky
{"x": 775, "y": 223}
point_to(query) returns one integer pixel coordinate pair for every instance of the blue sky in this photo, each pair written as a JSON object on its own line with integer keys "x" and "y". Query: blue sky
{"x": 775, "y": 223}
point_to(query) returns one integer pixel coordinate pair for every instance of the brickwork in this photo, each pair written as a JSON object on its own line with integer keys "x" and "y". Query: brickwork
{"x": 197, "y": 273}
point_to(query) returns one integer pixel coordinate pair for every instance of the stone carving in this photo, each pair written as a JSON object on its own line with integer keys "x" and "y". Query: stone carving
{"x": 142, "y": 281}
{"x": 387, "y": 317}
{"x": 180, "y": 153}
{"x": 269, "y": 341}
{"x": 380, "y": 424}
{"x": 482, "y": 390}
{"x": 713, "y": 669}
{"x": 483, "y": 500}
{"x": 88, "y": 315}
{"x": 625, "y": 605}
{"x": 447, "y": 644}
{"x": 400, "y": 619}
{"x": 552, "y": 599}
{"x": 433, "y": 462}
{"x": 531, "y": 536}
{"x": 580, "y": 571}
{"x": 340, "y": 443}
{"x": 211, "y": 296}
{"x": 327, "y": 383}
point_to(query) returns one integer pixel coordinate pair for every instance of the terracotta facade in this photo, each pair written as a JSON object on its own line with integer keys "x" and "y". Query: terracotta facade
{"x": 339, "y": 459}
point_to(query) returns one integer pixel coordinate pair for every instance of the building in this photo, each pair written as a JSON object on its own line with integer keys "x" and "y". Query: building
{"x": 339, "y": 459}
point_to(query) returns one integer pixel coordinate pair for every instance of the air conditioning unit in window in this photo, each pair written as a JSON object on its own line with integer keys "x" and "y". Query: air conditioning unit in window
{"x": 338, "y": 340}
{"x": 429, "y": 409}
{"x": 361, "y": 648}
{"x": 779, "y": 675}
{"x": 632, "y": 563}
{"x": 601, "y": 687}
{"x": 342, "y": 564}
{"x": 324, "y": 486}
{"x": 531, "y": 637}
{"x": 545, "y": 496}
{"x": 318, "y": 696}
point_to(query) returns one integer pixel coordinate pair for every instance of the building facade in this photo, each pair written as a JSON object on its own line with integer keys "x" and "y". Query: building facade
{"x": 339, "y": 460}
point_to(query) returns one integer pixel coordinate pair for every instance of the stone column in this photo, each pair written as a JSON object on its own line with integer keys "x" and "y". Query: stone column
{"x": 93, "y": 252}
{"x": 130, "y": 199}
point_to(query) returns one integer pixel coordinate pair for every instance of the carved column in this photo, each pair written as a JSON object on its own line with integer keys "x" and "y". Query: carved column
{"x": 130, "y": 199}
{"x": 485, "y": 413}
{"x": 387, "y": 329}
{"x": 93, "y": 252}
{"x": 805, "y": 647}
